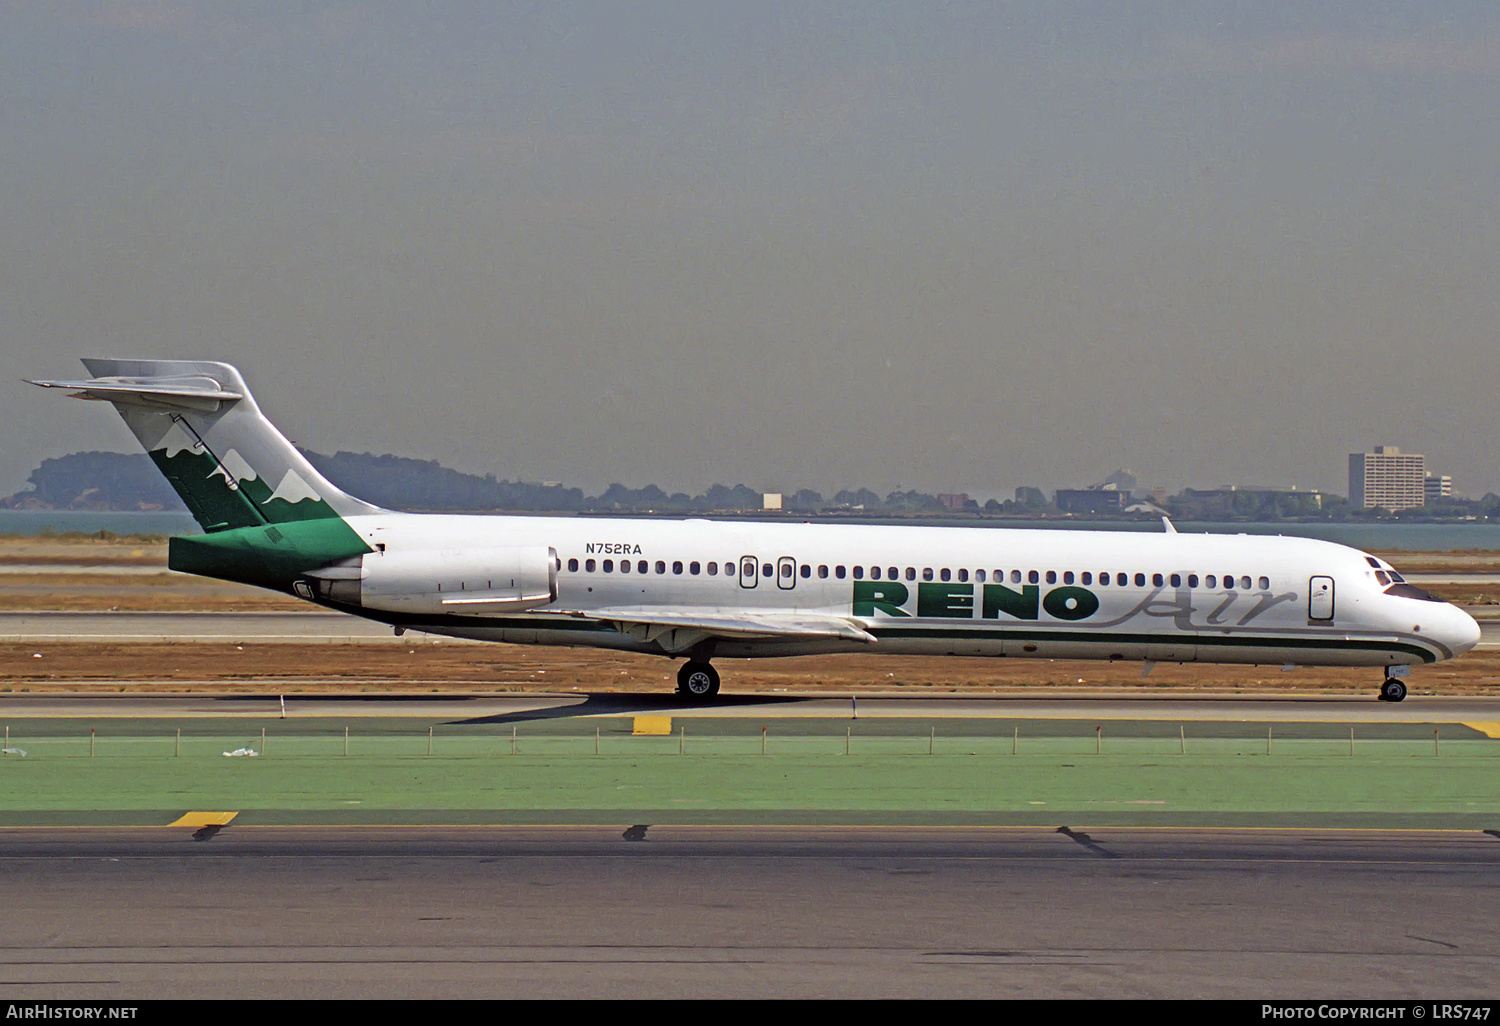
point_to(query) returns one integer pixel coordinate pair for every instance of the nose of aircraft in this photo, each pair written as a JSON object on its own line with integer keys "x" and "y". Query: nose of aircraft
{"x": 1460, "y": 631}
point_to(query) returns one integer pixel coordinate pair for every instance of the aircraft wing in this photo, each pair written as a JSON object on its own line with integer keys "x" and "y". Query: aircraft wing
{"x": 678, "y": 628}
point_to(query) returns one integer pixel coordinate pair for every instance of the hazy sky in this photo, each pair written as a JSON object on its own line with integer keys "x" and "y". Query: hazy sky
{"x": 933, "y": 245}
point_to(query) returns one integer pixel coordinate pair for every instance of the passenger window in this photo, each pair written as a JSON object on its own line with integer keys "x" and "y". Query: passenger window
{"x": 927, "y": 573}
{"x": 1015, "y": 577}
{"x": 1193, "y": 581}
{"x": 1087, "y": 578}
{"x": 588, "y": 565}
{"x": 1228, "y": 582}
{"x": 822, "y": 571}
{"x": 859, "y": 573}
{"x": 874, "y": 573}
{"x": 693, "y": 568}
{"x": 945, "y": 574}
{"x": 624, "y": 566}
{"x": 1051, "y": 576}
{"x": 1245, "y": 583}
{"x": 1140, "y": 580}
{"x": 838, "y": 572}
{"x": 979, "y": 576}
{"x": 572, "y": 566}
{"x": 1176, "y": 580}
{"x": 713, "y": 569}
{"x": 677, "y": 566}
{"x": 609, "y": 566}
{"x": 1067, "y": 577}
{"x": 766, "y": 570}
{"x": 911, "y": 573}
{"x": 891, "y": 573}
{"x": 806, "y": 571}
{"x": 661, "y": 567}
{"x": 1157, "y": 581}
{"x": 1265, "y": 584}
{"x": 1032, "y": 577}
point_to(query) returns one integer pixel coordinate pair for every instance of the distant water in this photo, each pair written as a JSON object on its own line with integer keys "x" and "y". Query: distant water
{"x": 1378, "y": 536}
{"x": 60, "y": 521}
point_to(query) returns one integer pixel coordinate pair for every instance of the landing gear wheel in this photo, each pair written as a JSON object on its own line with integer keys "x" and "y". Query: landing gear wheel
{"x": 1392, "y": 690}
{"x": 697, "y": 680}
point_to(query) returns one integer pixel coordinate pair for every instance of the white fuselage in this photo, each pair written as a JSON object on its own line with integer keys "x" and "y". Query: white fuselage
{"x": 953, "y": 591}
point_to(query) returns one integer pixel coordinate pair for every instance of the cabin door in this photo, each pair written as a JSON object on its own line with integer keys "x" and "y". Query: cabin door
{"x": 786, "y": 573}
{"x": 1320, "y": 599}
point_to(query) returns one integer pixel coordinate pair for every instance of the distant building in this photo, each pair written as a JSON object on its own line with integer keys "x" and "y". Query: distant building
{"x": 1091, "y": 500}
{"x": 770, "y": 500}
{"x": 1388, "y": 478}
{"x": 1437, "y": 486}
{"x": 953, "y": 500}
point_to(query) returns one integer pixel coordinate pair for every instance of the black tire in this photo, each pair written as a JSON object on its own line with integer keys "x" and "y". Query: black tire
{"x": 697, "y": 680}
{"x": 1392, "y": 690}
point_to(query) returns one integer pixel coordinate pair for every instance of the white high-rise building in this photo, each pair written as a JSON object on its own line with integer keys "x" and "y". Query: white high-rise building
{"x": 1388, "y": 478}
{"x": 1438, "y": 486}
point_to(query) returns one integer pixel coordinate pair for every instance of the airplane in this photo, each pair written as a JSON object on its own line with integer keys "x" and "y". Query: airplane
{"x": 697, "y": 589}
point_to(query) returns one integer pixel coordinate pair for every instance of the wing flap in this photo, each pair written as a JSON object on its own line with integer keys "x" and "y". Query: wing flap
{"x": 735, "y": 623}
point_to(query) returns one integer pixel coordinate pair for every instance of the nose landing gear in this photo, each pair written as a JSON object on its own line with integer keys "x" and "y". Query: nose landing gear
{"x": 697, "y": 679}
{"x": 1392, "y": 689}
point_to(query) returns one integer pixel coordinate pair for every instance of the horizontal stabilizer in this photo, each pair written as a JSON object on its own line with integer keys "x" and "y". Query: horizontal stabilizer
{"x": 182, "y": 392}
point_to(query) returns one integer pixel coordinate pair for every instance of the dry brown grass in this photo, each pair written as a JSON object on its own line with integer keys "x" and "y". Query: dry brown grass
{"x": 159, "y": 593}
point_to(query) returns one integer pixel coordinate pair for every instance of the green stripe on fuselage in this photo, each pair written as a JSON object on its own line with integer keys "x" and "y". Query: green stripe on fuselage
{"x": 271, "y": 556}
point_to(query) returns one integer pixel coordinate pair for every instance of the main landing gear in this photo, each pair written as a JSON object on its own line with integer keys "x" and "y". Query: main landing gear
{"x": 1393, "y": 688}
{"x": 697, "y": 679}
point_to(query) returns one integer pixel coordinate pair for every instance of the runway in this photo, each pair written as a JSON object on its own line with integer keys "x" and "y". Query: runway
{"x": 700, "y": 912}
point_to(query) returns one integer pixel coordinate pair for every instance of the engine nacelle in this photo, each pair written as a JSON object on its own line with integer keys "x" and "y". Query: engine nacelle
{"x": 462, "y": 582}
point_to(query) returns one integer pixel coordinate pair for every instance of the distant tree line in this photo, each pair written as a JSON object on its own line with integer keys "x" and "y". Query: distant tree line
{"x": 117, "y": 481}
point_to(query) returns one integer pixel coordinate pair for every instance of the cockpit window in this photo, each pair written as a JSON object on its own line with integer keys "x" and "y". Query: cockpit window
{"x": 1397, "y": 577}
{"x": 1411, "y": 592}
{"x": 1373, "y": 562}
{"x": 1381, "y": 577}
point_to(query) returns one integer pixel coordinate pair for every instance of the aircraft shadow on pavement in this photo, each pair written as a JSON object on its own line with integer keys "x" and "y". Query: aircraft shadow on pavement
{"x": 634, "y": 705}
